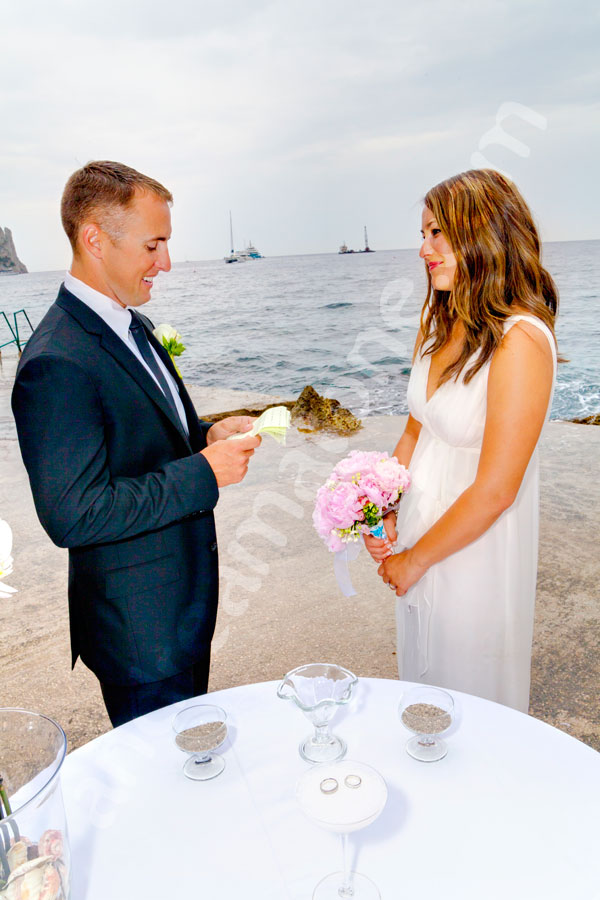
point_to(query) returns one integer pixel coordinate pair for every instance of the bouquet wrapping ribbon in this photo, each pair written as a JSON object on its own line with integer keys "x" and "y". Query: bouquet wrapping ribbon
{"x": 342, "y": 569}
{"x": 342, "y": 558}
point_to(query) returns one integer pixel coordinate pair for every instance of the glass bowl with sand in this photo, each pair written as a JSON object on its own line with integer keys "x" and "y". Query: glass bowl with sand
{"x": 199, "y": 730}
{"x": 427, "y": 712}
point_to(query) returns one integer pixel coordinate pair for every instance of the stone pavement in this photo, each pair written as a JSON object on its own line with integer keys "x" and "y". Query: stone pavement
{"x": 280, "y": 605}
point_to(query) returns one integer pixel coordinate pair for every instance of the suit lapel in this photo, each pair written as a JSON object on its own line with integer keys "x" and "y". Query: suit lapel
{"x": 112, "y": 344}
{"x": 190, "y": 410}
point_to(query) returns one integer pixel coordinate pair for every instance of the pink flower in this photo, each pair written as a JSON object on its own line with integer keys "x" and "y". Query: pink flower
{"x": 343, "y": 504}
{"x": 338, "y": 506}
{"x": 357, "y": 461}
{"x": 321, "y": 518}
{"x": 370, "y": 487}
{"x": 391, "y": 476}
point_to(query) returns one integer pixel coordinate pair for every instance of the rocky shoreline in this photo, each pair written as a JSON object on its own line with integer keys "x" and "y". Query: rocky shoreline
{"x": 588, "y": 420}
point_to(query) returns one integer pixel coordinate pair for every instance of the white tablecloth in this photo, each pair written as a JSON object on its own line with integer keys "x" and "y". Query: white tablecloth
{"x": 511, "y": 812}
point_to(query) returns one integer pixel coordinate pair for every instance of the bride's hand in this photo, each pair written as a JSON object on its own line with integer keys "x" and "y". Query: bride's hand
{"x": 401, "y": 571}
{"x": 378, "y": 548}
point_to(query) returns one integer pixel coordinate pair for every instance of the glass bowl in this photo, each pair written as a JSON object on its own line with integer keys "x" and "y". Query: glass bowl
{"x": 427, "y": 712}
{"x": 199, "y": 730}
{"x": 318, "y": 689}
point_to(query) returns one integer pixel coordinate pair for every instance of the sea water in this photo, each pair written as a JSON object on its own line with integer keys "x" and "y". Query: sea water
{"x": 344, "y": 323}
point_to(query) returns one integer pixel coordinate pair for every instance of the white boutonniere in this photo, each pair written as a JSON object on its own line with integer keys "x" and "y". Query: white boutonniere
{"x": 6, "y": 560}
{"x": 171, "y": 341}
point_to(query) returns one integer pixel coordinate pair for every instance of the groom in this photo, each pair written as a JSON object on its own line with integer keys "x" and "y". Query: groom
{"x": 122, "y": 471}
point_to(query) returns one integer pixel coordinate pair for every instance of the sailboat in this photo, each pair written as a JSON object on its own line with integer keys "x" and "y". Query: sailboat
{"x": 233, "y": 256}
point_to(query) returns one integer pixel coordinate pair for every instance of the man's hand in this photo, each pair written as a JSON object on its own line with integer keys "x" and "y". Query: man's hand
{"x": 380, "y": 549}
{"x": 229, "y": 459}
{"x": 220, "y": 431}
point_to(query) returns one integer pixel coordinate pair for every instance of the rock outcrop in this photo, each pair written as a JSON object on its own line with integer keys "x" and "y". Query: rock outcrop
{"x": 588, "y": 420}
{"x": 10, "y": 264}
{"x": 321, "y": 413}
{"x": 310, "y": 412}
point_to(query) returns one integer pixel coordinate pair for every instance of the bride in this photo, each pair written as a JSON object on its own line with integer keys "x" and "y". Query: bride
{"x": 464, "y": 570}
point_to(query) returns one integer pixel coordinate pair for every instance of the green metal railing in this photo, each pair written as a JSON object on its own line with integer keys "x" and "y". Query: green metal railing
{"x": 14, "y": 329}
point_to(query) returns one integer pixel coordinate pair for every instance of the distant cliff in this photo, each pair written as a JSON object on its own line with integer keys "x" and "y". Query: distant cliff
{"x": 10, "y": 264}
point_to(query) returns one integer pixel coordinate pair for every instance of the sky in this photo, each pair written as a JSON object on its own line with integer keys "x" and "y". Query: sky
{"x": 308, "y": 120}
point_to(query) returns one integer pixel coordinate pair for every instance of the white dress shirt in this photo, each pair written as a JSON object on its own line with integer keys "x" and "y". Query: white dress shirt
{"x": 118, "y": 318}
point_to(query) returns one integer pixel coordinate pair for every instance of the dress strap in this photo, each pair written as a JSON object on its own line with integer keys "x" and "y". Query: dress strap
{"x": 533, "y": 320}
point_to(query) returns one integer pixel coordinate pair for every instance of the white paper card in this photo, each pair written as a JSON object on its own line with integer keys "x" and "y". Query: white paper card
{"x": 274, "y": 421}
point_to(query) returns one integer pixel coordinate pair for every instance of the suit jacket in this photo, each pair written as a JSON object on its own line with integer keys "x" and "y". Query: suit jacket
{"x": 115, "y": 479}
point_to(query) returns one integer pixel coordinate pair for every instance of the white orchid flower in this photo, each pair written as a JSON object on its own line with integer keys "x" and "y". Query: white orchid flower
{"x": 167, "y": 332}
{"x": 171, "y": 341}
{"x": 6, "y": 560}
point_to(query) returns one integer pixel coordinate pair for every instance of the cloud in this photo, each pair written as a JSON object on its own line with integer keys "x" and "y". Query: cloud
{"x": 291, "y": 112}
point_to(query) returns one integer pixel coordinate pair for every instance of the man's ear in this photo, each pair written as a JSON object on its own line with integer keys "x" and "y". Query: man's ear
{"x": 91, "y": 237}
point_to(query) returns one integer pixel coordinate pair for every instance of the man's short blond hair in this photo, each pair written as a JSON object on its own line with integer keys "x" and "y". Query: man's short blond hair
{"x": 103, "y": 190}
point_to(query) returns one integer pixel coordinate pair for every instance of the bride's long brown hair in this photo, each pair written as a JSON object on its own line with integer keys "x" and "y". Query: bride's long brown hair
{"x": 497, "y": 248}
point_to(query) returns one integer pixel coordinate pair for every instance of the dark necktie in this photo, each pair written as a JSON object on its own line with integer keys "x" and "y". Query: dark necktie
{"x": 139, "y": 335}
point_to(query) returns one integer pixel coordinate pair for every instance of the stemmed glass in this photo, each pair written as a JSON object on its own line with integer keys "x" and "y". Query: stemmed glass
{"x": 426, "y": 711}
{"x": 199, "y": 730}
{"x": 318, "y": 689}
{"x": 343, "y": 797}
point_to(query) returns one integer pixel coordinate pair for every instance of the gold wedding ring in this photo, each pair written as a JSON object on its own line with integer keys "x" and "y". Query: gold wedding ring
{"x": 353, "y": 781}
{"x": 329, "y": 786}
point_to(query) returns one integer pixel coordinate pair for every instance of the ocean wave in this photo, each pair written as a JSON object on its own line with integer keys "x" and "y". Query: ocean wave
{"x": 575, "y": 399}
{"x": 387, "y": 361}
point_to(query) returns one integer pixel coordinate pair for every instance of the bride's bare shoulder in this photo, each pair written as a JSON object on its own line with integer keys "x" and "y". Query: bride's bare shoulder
{"x": 526, "y": 339}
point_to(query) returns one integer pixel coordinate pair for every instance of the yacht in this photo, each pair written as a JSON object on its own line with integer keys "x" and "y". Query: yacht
{"x": 251, "y": 252}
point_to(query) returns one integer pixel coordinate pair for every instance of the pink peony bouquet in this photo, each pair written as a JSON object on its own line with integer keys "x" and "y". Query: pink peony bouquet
{"x": 362, "y": 488}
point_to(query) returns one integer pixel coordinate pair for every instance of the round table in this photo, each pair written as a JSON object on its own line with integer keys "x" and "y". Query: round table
{"x": 512, "y": 811}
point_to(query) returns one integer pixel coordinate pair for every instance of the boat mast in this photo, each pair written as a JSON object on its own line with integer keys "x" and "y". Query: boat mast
{"x": 366, "y": 239}
{"x": 231, "y": 232}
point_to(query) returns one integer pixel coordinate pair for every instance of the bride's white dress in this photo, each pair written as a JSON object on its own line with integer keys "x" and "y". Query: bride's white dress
{"x": 468, "y": 623}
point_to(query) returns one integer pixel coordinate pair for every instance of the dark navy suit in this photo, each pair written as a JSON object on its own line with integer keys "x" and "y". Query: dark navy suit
{"x": 116, "y": 480}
